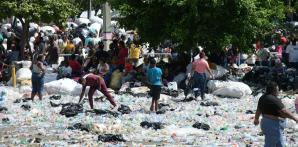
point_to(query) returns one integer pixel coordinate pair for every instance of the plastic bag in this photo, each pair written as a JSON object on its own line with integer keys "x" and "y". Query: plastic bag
{"x": 23, "y": 74}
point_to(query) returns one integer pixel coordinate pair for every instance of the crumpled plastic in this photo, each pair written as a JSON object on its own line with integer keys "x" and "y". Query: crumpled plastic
{"x": 124, "y": 109}
{"x": 203, "y": 126}
{"x": 153, "y": 125}
{"x": 71, "y": 109}
{"x": 79, "y": 126}
{"x": 111, "y": 138}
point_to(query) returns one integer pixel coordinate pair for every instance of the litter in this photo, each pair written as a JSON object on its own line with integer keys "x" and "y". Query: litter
{"x": 111, "y": 138}
{"x": 203, "y": 126}
{"x": 153, "y": 125}
{"x": 124, "y": 109}
{"x": 79, "y": 126}
{"x": 71, "y": 109}
{"x": 3, "y": 109}
{"x": 26, "y": 107}
{"x": 55, "y": 97}
{"x": 103, "y": 112}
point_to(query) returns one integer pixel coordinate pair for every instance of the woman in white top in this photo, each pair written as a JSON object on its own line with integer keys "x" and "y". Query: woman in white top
{"x": 38, "y": 71}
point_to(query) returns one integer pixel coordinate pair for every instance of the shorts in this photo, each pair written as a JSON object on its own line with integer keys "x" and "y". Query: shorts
{"x": 37, "y": 83}
{"x": 155, "y": 91}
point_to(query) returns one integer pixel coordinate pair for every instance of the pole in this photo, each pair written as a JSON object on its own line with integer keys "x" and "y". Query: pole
{"x": 13, "y": 76}
{"x": 90, "y": 9}
{"x": 107, "y": 32}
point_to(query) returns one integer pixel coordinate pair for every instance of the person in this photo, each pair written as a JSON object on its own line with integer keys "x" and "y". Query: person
{"x": 273, "y": 114}
{"x": 103, "y": 69}
{"x": 199, "y": 67}
{"x": 75, "y": 66}
{"x": 38, "y": 71}
{"x": 70, "y": 48}
{"x": 292, "y": 51}
{"x": 96, "y": 83}
{"x": 167, "y": 76}
{"x": 64, "y": 70}
{"x": 154, "y": 78}
{"x": 122, "y": 55}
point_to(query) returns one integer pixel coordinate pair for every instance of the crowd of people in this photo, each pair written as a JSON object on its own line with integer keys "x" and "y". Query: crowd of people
{"x": 87, "y": 61}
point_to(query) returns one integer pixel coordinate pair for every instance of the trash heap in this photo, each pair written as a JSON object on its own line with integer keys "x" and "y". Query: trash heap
{"x": 58, "y": 120}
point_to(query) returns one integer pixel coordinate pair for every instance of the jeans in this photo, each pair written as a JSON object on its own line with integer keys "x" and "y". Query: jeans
{"x": 273, "y": 131}
{"x": 37, "y": 83}
{"x": 200, "y": 80}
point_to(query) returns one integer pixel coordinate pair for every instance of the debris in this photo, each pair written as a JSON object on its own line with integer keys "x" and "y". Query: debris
{"x": 203, "y": 126}
{"x": 111, "y": 138}
{"x": 153, "y": 125}
{"x": 26, "y": 107}
{"x": 71, "y": 109}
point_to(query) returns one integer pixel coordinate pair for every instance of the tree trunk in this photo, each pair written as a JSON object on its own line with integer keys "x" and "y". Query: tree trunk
{"x": 25, "y": 37}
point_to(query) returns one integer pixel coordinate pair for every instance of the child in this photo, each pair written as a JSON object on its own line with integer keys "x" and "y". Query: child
{"x": 154, "y": 77}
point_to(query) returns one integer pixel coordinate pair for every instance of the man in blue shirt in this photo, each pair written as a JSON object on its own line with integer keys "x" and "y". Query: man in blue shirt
{"x": 154, "y": 77}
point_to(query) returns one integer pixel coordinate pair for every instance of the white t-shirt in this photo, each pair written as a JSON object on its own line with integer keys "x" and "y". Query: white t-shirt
{"x": 292, "y": 50}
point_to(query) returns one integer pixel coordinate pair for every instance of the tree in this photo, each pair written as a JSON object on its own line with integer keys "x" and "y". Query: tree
{"x": 212, "y": 24}
{"x": 46, "y": 11}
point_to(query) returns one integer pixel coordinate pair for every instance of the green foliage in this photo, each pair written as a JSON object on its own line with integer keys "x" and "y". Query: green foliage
{"x": 211, "y": 23}
{"x": 56, "y": 11}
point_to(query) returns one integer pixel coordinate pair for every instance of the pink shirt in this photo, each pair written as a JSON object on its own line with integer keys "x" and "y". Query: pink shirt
{"x": 279, "y": 51}
{"x": 201, "y": 65}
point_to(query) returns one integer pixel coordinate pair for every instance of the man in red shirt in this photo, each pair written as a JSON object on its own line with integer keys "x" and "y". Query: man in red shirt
{"x": 96, "y": 83}
{"x": 123, "y": 53}
{"x": 75, "y": 66}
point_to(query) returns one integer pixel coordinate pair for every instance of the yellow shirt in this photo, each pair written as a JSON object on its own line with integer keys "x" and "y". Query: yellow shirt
{"x": 134, "y": 52}
{"x": 69, "y": 48}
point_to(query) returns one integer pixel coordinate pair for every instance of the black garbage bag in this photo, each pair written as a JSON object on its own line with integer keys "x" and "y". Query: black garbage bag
{"x": 71, "y": 109}
{"x": 26, "y": 107}
{"x": 17, "y": 101}
{"x": 55, "y": 97}
{"x": 3, "y": 109}
{"x": 104, "y": 112}
{"x": 5, "y": 120}
{"x": 161, "y": 111}
{"x": 249, "y": 112}
{"x": 167, "y": 91}
{"x": 34, "y": 140}
{"x": 124, "y": 109}
{"x": 79, "y": 126}
{"x": 203, "y": 126}
{"x": 161, "y": 105}
{"x": 209, "y": 104}
{"x": 54, "y": 104}
{"x": 22, "y": 100}
{"x": 111, "y": 138}
{"x": 153, "y": 125}
{"x": 189, "y": 99}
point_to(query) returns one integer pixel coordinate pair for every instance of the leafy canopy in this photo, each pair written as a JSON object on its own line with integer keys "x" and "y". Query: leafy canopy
{"x": 210, "y": 23}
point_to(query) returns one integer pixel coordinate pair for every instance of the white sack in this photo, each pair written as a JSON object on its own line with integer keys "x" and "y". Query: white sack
{"x": 228, "y": 88}
{"x": 23, "y": 74}
{"x": 231, "y": 91}
{"x": 219, "y": 72}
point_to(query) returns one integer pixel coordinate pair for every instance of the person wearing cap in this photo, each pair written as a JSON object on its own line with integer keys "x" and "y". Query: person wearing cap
{"x": 96, "y": 83}
{"x": 200, "y": 66}
{"x": 154, "y": 78}
{"x": 273, "y": 114}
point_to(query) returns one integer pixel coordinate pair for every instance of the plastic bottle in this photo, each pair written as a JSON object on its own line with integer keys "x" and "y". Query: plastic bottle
{"x": 296, "y": 104}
